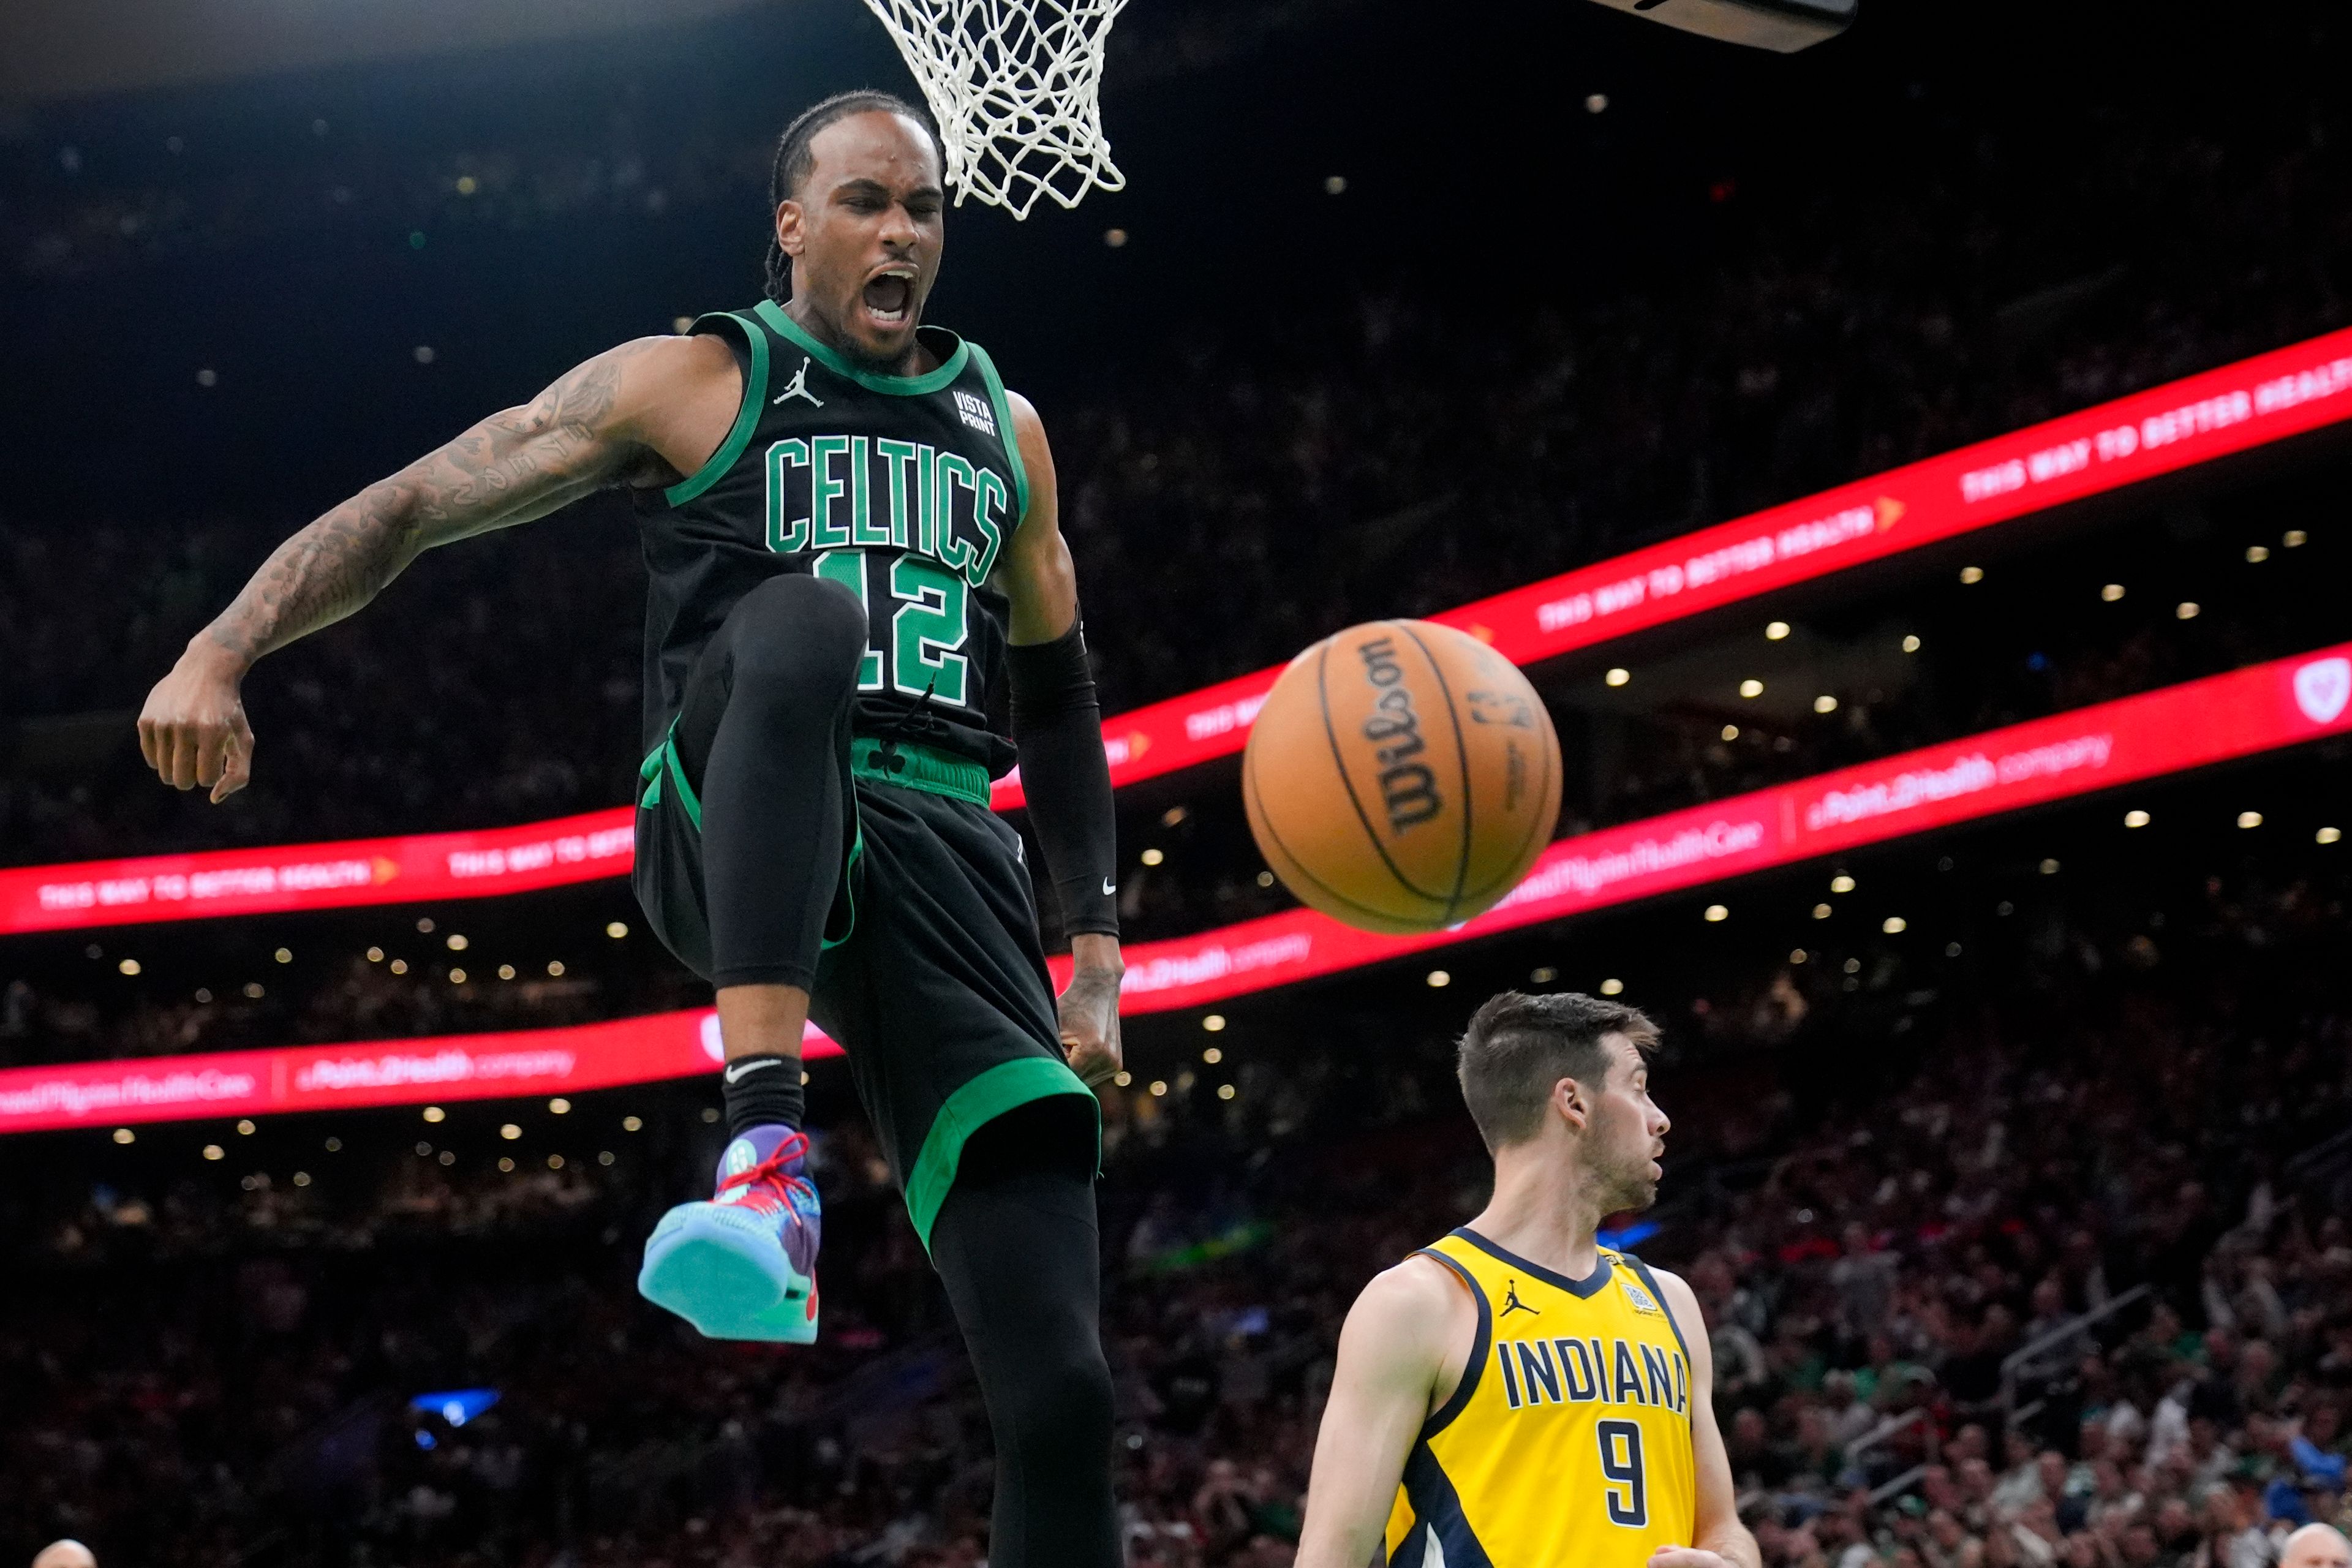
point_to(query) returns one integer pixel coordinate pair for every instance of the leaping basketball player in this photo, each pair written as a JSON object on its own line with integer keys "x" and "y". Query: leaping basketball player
{"x": 851, "y": 531}
{"x": 1516, "y": 1396}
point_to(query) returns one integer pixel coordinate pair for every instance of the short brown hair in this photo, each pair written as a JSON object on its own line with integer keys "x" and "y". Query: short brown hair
{"x": 1517, "y": 1047}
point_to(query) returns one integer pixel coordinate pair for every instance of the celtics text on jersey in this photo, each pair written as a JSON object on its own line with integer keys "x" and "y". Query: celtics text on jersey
{"x": 905, "y": 489}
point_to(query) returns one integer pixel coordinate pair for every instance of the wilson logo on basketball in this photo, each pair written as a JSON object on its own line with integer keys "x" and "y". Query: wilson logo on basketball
{"x": 1408, "y": 789}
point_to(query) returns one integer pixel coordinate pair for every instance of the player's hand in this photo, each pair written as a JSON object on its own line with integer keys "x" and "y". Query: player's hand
{"x": 1687, "y": 1557}
{"x": 1089, "y": 1011}
{"x": 193, "y": 730}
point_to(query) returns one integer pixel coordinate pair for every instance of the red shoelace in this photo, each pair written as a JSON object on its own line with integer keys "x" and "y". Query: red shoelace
{"x": 793, "y": 1147}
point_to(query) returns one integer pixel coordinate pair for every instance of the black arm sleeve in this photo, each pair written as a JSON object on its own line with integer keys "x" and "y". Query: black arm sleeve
{"x": 1057, "y": 730}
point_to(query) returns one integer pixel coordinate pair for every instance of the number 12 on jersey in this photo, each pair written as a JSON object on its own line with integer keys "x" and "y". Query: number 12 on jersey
{"x": 914, "y": 637}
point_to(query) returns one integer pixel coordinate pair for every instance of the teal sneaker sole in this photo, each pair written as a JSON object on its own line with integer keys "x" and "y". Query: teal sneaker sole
{"x": 725, "y": 1274}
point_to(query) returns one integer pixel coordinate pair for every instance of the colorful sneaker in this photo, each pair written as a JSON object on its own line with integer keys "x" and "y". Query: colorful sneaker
{"x": 743, "y": 1266}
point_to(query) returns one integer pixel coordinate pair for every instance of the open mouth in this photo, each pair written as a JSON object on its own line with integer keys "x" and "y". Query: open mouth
{"x": 889, "y": 298}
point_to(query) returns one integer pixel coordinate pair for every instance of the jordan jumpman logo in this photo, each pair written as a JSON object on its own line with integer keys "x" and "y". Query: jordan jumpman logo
{"x": 798, "y": 387}
{"x": 1511, "y": 1302}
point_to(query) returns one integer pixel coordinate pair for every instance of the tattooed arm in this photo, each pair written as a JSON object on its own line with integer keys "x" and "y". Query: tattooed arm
{"x": 637, "y": 412}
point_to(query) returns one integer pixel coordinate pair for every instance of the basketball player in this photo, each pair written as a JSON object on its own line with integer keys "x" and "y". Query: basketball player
{"x": 66, "y": 1554}
{"x": 851, "y": 531}
{"x": 1516, "y": 1394}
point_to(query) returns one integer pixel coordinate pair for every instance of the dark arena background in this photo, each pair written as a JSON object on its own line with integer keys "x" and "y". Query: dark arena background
{"x": 1913, "y": 470}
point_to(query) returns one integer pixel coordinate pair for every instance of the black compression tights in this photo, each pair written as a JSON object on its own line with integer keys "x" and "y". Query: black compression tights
{"x": 761, "y": 728}
{"x": 1016, "y": 1245}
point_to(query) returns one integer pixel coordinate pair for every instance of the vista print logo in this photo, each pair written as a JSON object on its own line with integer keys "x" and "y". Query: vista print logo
{"x": 2322, "y": 687}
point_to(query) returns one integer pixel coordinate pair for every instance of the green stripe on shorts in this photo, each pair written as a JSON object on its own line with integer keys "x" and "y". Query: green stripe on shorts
{"x": 981, "y": 1100}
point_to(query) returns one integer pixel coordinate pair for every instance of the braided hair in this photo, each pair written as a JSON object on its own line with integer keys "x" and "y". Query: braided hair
{"x": 794, "y": 161}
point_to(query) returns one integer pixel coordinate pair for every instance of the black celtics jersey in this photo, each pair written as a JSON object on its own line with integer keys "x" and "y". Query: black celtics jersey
{"x": 904, "y": 489}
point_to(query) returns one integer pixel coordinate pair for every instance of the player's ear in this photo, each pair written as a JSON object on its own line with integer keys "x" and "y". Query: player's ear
{"x": 791, "y": 232}
{"x": 1570, "y": 1103}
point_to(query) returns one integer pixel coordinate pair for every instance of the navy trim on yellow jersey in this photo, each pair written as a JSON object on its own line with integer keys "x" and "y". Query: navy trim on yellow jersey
{"x": 1583, "y": 1289}
{"x": 1437, "y": 1506}
{"x": 1649, "y": 1280}
{"x": 1442, "y": 1416}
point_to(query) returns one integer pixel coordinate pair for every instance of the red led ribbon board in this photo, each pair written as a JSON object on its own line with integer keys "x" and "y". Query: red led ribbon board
{"x": 401, "y": 871}
{"x": 445, "y": 1068}
{"x": 2259, "y": 709}
{"x": 2255, "y": 710}
{"x": 2163, "y": 430}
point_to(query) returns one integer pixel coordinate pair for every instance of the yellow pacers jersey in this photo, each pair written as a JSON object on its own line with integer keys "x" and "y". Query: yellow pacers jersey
{"x": 1568, "y": 1444}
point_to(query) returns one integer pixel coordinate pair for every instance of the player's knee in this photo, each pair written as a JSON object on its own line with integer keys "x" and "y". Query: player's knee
{"x": 1066, "y": 1403}
{"x": 801, "y": 638}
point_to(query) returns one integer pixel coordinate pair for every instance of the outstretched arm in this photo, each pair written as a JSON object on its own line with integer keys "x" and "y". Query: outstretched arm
{"x": 585, "y": 431}
{"x": 1057, "y": 728}
{"x": 1393, "y": 1362}
{"x": 1717, "y": 1538}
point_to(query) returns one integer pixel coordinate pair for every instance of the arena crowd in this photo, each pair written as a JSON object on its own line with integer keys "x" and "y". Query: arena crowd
{"x": 2061, "y": 1275}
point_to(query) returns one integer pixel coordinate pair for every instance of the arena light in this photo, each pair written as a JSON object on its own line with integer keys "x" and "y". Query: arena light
{"x": 2261, "y": 708}
{"x": 458, "y": 1407}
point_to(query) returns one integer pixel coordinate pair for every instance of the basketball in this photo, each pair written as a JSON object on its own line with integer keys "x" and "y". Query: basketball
{"x": 1403, "y": 776}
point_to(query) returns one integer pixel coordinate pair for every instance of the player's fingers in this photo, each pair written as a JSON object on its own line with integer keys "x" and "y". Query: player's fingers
{"x": 1093, "y": 1066}
{"x": 212, "y": 746}
{"x": 183, "y": 757}
{"x": 147, "y": 739}
{"x": 236, "y": 766}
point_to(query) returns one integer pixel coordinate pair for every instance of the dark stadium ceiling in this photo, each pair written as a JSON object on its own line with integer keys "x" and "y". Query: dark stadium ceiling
{"x": 53, "y": 52}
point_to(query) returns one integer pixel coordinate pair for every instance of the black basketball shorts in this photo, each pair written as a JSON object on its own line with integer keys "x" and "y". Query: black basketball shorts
{"x": 931, "y": 976}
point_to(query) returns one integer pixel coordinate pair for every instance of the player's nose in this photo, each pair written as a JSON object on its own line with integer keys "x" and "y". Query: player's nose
{"x": 898, "y": 229}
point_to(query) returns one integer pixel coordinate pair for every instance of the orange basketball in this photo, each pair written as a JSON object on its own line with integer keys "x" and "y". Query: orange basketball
{"x": 1403, "y": 776}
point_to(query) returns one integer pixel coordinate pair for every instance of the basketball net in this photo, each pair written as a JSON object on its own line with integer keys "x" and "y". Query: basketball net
{"x": 1015, "y": 86}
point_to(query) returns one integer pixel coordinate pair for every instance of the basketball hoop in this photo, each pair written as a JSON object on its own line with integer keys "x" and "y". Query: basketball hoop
{"x": 1015, "y": 86}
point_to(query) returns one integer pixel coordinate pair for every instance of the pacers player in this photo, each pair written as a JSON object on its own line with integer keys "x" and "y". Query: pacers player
{"x": 1517, "y": 1395}
{"x": 849, "y": 524}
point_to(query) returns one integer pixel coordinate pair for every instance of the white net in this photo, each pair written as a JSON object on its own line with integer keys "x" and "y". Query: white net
{"x": 1015, "y": 85}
